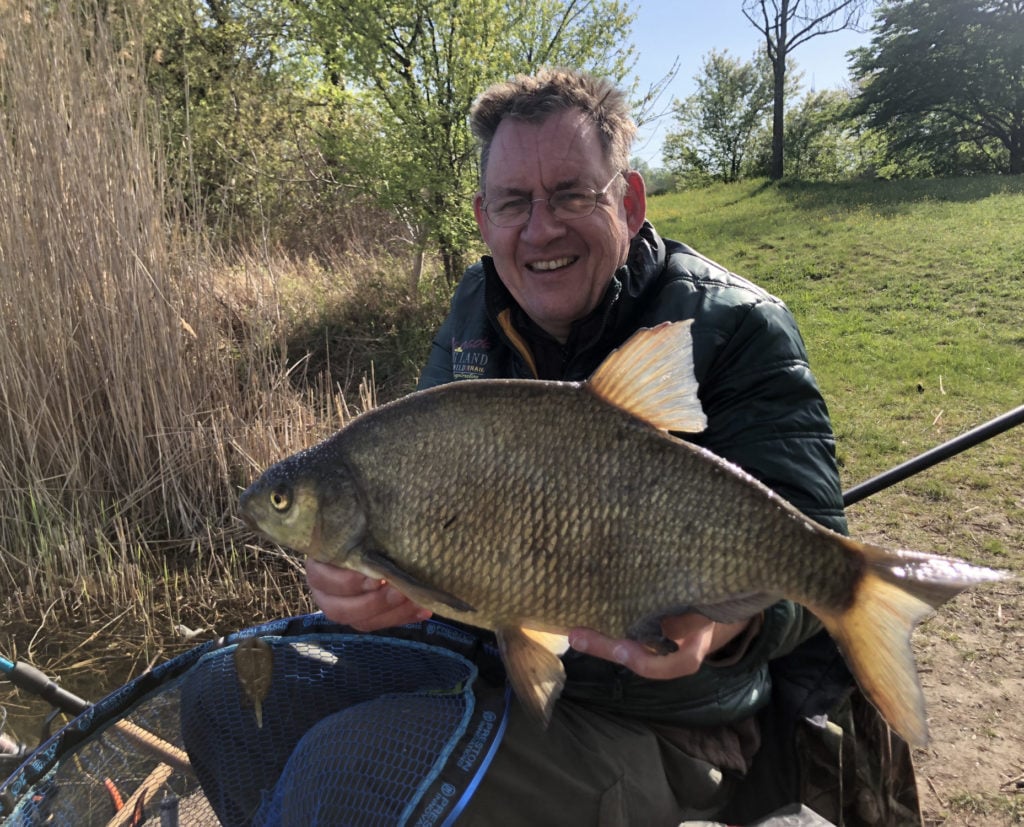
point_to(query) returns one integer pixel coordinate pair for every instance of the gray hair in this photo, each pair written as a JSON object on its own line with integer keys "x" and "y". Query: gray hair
{"x": 534, "y": 98}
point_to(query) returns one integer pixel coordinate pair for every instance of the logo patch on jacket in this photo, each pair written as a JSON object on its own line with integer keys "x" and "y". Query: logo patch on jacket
{"x": 469, "y": 358}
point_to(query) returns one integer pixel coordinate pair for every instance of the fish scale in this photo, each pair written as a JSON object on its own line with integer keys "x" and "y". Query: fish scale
{"x": 533, "y": 507}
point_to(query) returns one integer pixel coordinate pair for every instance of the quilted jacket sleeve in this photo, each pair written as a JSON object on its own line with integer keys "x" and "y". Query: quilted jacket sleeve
{"x": 766, "y": 414}
{"x": 765, "y": 411}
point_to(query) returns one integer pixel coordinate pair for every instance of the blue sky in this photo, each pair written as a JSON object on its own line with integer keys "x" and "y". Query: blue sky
{"x": 688, "y": 29}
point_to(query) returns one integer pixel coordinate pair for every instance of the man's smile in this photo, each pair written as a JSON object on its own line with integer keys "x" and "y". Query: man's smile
{"x": 551, "y": 264}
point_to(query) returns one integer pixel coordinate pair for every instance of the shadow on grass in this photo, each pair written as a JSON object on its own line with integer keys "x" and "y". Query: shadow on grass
{"x": 893, "y": 197}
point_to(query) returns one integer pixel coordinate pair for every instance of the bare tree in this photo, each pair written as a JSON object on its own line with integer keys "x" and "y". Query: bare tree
{"x": 785, "y": 25}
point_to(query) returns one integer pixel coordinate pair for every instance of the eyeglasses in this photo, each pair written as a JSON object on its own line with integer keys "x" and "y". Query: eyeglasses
{"x": 565, "y": 205}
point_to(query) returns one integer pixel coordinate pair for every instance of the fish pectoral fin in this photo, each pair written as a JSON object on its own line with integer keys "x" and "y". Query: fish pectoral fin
{"x": 536, "y": 673}
{"x": 652, "y": 377}
{"x": 411, "y": 586}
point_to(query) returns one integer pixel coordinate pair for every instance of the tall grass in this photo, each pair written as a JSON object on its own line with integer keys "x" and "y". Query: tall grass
{"x": 145, "y": 379}
{"x": 126, "y": 421}
{"x": 99, "y": 386}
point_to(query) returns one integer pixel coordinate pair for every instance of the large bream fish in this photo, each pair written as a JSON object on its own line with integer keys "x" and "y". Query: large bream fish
{"x": 530, "y": 507}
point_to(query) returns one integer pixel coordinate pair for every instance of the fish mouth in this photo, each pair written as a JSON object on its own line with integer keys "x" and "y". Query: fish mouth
{"x": 244, "y": 510}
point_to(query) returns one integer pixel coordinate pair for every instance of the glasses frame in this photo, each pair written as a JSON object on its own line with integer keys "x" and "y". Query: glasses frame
{"x": 598, "y": 194}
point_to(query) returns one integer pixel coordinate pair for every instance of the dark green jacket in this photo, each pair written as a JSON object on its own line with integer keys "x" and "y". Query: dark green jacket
{"x": 764, "y": 411}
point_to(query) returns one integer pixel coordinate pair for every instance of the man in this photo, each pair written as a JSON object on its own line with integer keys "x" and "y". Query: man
{"x": 574, "y": 269}
{"x": 377, "y": 728}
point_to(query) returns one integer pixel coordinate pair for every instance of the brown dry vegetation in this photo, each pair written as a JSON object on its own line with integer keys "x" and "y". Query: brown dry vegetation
{"x": 144, "y": 378}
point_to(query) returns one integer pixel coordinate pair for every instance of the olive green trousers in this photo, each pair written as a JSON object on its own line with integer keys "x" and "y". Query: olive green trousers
{"x": 589, "y": 768}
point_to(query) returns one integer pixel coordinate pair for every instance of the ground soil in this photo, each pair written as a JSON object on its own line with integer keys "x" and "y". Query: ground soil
{"x": 970, "y": 653}
{"x": 971, "y": 663}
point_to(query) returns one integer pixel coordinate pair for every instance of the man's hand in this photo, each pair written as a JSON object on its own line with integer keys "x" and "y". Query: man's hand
{"x": 365, "y": 603}
{"x": 695, "y": 635}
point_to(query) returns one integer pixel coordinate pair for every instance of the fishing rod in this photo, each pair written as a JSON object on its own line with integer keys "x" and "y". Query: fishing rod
{"x": 27, "y": 677}
{"x": 934, "y": 456}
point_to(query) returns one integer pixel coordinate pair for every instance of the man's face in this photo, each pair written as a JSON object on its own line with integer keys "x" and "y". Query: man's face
{"x": 558, "y": 270}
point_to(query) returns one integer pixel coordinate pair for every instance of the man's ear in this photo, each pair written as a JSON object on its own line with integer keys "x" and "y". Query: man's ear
{"x": 481, "y": 217}
{"x": 635, "y": 201}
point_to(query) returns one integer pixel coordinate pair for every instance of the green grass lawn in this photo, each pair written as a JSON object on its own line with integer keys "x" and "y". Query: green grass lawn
{"x": 908, "y": 294}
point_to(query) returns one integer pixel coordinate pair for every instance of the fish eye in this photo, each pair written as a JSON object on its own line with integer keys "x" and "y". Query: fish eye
{"x": 280, "y": 500}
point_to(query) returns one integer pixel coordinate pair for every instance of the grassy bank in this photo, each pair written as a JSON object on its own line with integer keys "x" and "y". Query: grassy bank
{"x": 909, "y": 295}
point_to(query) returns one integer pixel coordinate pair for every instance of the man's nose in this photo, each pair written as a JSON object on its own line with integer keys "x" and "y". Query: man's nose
{"x": 542, "y": 223}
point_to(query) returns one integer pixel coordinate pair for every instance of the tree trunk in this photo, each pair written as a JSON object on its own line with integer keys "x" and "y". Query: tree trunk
{"x": 421, "y": 237}
{"x": 1017, "y": 153}
{"x": 415, "y": 273}
{"x": 779, "y": 110}
{"x": 453, "y": 265}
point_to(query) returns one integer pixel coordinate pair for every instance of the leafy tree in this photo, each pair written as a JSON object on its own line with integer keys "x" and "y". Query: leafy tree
{"x": 718, "y": 121}
{"x": 229, "y": 95}
{"x": 947, "y": 79}
{"x": 822, "y": 144}
{"x": 785, "y": 25}
{"x": 417, "y": 66}
{"x": 658, "y": 181}
{"x": 280, "y": 117}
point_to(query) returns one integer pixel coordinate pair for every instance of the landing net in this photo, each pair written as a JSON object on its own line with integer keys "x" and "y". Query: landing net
{"x": 335, "y": 727}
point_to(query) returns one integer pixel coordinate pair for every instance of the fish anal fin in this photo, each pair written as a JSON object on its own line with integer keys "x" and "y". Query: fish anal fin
{"x": 738, "y": 608}
{"x": 415, "y": 589}
{"x": 652, "y": 377}
{"x": 536, "y": 673}
{"x": 555, "y": 643}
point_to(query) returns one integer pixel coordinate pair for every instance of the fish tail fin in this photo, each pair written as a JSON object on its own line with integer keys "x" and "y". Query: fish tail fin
{"x": 897, "y": 589}
{"x": 652, "y": 377}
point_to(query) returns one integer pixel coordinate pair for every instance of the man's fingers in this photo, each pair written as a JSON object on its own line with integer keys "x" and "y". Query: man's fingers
{"x": 365, "y": 603}
{"x": 691, "y": 633}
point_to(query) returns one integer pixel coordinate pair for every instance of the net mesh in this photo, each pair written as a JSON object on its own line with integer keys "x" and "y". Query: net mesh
{"x": 327, "y": 728}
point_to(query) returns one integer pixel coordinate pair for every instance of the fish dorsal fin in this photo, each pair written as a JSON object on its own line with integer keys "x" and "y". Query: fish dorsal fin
{"x": 651, "y": 376}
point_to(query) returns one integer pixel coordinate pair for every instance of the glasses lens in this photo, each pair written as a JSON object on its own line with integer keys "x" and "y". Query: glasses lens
{"x": 566, "y": 206}
{"x": 508, "y": 212}
{"x": 573, "y": 204}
